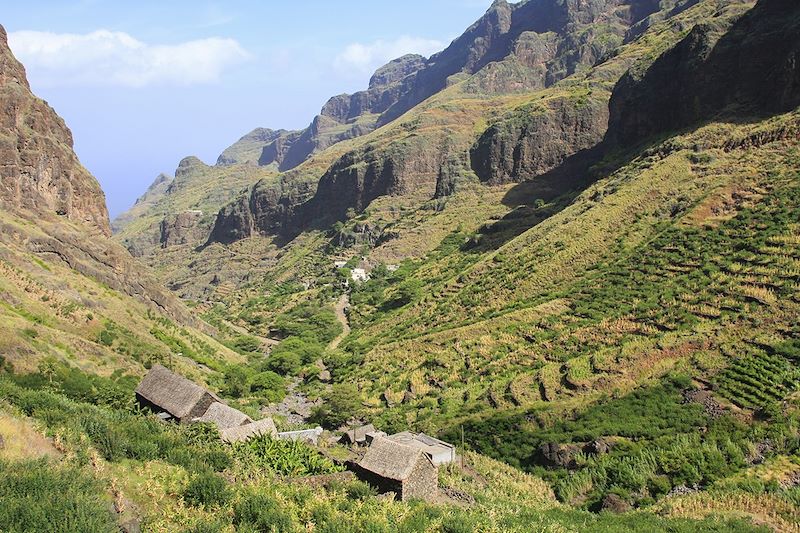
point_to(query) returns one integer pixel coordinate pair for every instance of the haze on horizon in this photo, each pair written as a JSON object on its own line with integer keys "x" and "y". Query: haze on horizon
{"x": 143, "y": 86}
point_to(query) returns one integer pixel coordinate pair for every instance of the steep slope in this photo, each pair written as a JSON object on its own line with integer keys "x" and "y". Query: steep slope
{"x": 67, "y": 291}
{"x": 683, "y": 250}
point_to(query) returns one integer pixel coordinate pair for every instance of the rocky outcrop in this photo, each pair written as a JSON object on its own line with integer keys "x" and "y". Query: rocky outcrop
{"x": 344, "y": 116}
{"x": 751, "y": 69}
{"x": 39, "y": 171}
{"x": 536, "y": 139}
{"x": 183, "y": 228}
{"x": 249, "y": 148}
{"x": 268, "y": 207}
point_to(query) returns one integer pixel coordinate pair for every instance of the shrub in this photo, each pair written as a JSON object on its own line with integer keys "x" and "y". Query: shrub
{"x": 207, "y": 489}
{"x": 262, "y": 513}
{"x": 269, "y": 385}
{"x": 341, "y": 404}
{"x": 358, "y": 490}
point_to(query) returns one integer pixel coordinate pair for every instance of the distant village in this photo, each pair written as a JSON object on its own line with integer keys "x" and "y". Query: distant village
{"x": 405, "y": 464}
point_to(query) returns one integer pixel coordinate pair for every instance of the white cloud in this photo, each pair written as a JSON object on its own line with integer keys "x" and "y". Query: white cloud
{"x": 115, "y": 58}
{"x": 361, "y": 58}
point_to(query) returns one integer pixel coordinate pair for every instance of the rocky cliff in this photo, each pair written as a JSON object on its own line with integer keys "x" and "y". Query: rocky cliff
{"x": 538, "y": 138}
{"x": 739, "y": 73}
{"x": 43, "y": 183}
{"x": 41, "y": 176}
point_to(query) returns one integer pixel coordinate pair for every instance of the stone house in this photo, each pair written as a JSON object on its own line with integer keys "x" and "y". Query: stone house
{"x": 394, "y": 467}
{"x": 360, "y": 435}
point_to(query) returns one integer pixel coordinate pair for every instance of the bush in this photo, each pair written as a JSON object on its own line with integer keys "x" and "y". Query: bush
{"x": 262, "y": 513}
{"x": 40, "y": 496}
{"x": 269, "y": 385}
{"x": 358, "y": 490}
{"x": 207, "y": 489}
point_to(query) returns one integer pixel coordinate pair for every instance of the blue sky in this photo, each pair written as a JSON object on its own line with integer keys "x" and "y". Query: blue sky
{"x": 143, "y": 84}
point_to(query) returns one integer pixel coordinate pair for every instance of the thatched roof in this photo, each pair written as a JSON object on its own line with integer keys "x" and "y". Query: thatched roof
{"x": 224, "y": 416}
{"x": 391, "y": 460}
{"x": 173, "y": 393}
{"x": 358, "y": 434}
{"x": 242, "y": 433}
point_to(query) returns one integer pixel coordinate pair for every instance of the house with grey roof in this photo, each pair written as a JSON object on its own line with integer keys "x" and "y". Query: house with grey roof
{"x": 360, "y": 436}
{"x": 173, "y": 397}
{"x": 394, "y": 467}
{"x": 439, "y": 451}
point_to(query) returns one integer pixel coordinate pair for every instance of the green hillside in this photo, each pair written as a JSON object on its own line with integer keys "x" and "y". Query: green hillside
{"x": 580, "y": 226}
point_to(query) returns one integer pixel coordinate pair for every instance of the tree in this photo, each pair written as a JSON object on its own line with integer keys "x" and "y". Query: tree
{"x": 269, "y": 385}
{"x": 47, "y": 368}
{"x": 341, "y": 404}
{"x": 236, "y": 381}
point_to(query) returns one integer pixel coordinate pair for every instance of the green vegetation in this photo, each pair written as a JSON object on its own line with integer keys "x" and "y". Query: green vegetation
{"x": 287, "y": 458}
{"x": 46, "y": 497}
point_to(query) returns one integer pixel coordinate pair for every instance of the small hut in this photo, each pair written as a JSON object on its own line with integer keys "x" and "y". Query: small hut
{"x": 357, "y": 436}
{"x": 394, "y": 467}
{"x": 164, "y": 391}
{"x": 224, "y": 416}
{"x": 253, "y": 429}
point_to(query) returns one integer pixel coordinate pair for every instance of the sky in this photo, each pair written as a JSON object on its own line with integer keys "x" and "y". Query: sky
{"x": 143, "y": 84}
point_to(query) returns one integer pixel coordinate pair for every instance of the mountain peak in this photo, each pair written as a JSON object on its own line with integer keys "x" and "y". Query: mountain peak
{"x": 396, "y": 69}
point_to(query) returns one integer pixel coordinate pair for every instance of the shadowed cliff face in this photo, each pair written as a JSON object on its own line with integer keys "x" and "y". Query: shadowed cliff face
{"x": 748, "y": 71}
{"x": 537, "y": 139}
{"x": 40, "y": 173}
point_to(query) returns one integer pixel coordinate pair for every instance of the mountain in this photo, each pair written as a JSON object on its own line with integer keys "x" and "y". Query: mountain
{"x": 511, "y": 51}
{"x": 51, "y": 184}
{"x": 568, "y": 242}
{"x": 67, "y": 291}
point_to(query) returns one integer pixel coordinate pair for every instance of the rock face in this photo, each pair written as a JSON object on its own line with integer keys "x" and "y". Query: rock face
{"x": 537, "y": 139}
{"x": 40, "y": 172}
{"x": 513, "y": 47}
{"x": 344, "y": 116}
{"x": 182, "y": 228}
{"x": 43, "y": 182}
{"x": 749, "y": 70}
{"x": 521, "y": 46}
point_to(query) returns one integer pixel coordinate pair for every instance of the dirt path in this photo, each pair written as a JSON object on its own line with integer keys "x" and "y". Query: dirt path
{"x": 341, "y": 305}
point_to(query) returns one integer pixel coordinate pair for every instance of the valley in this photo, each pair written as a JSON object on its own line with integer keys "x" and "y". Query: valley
{"x": 568, "y": 244}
